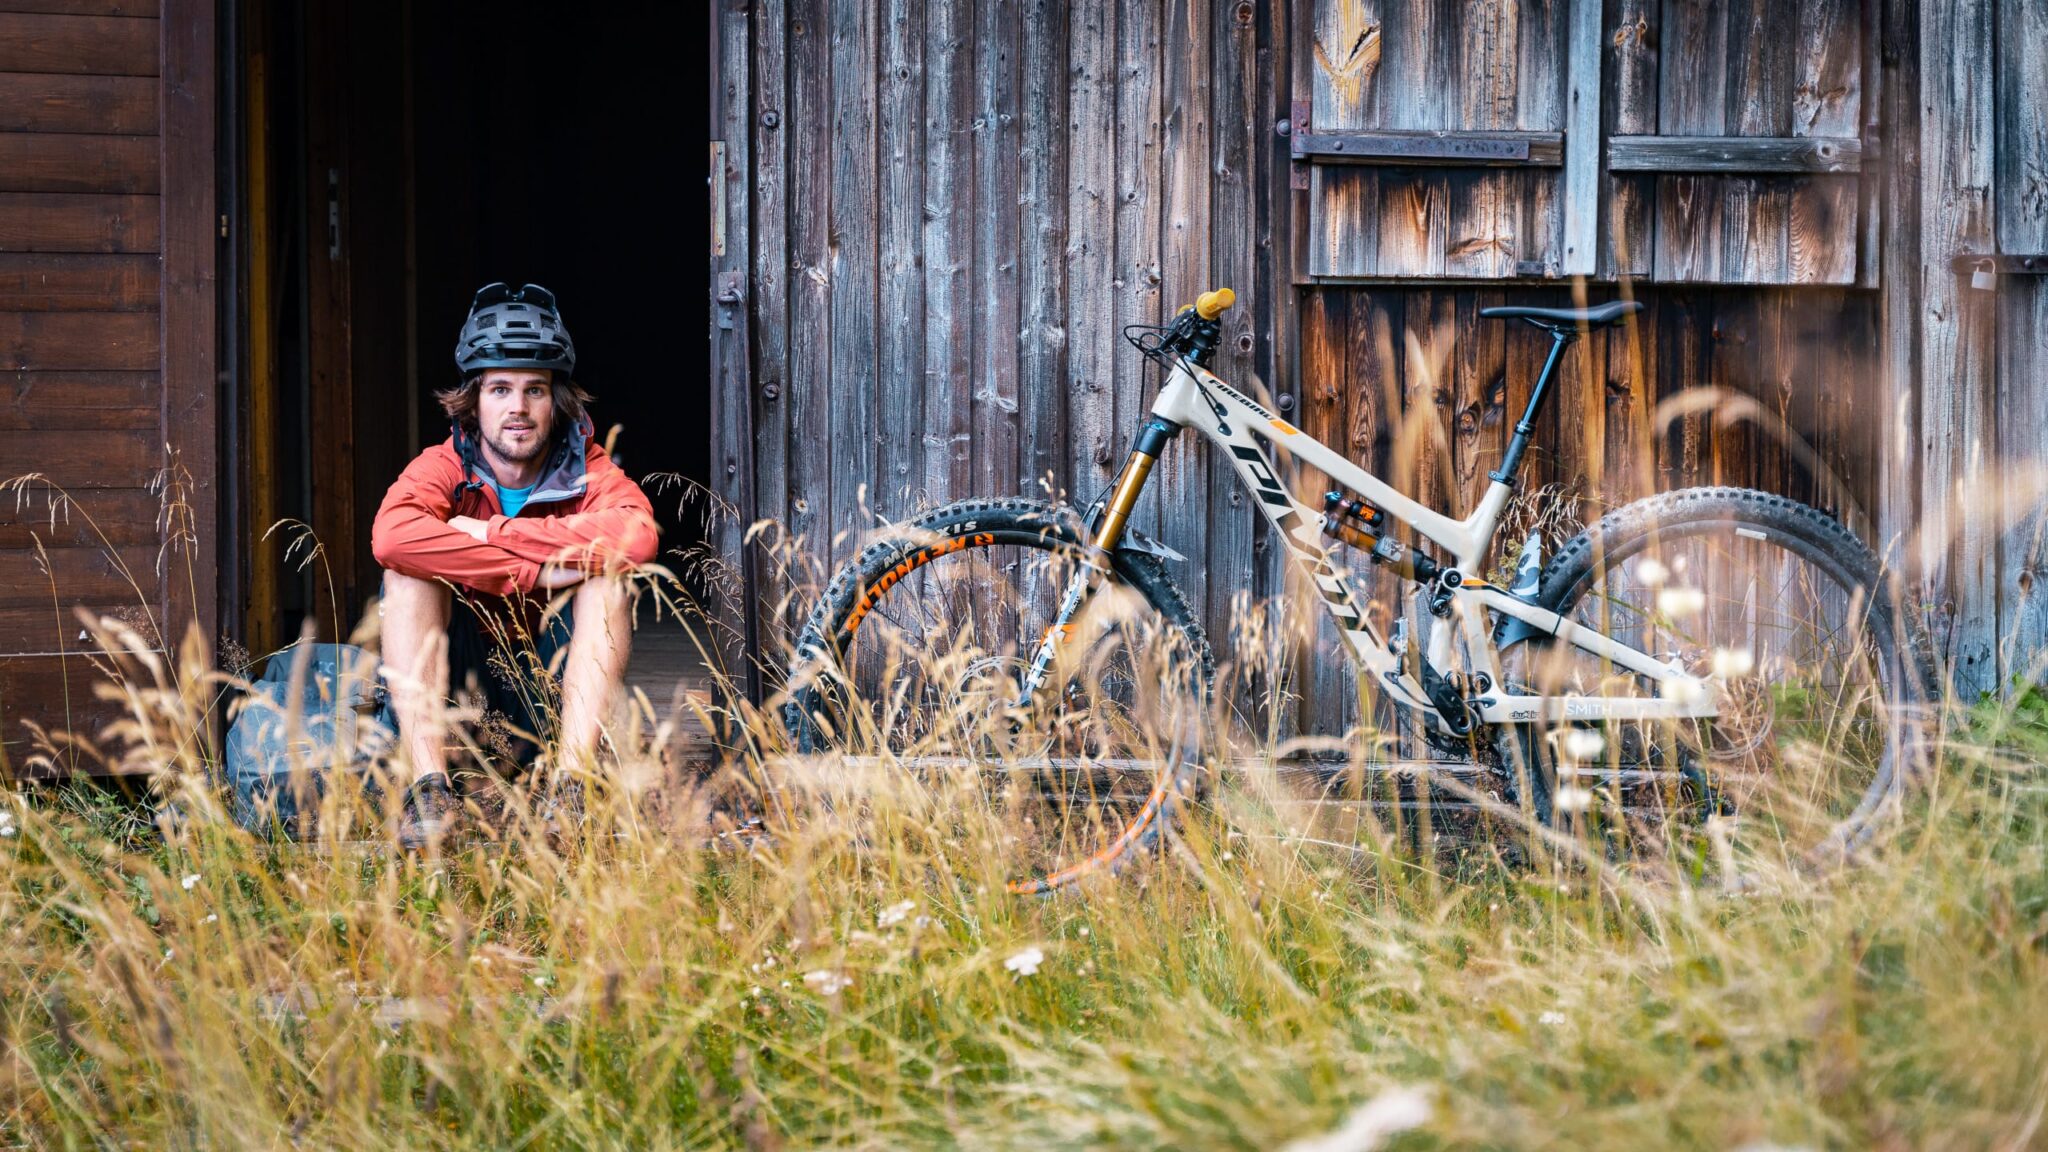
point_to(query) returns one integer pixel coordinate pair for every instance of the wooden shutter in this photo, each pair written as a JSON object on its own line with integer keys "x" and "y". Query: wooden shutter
{"x": 1686, "y": 140}
{"x": 1434, "y": 140}
{"x": 1734, "y": 140}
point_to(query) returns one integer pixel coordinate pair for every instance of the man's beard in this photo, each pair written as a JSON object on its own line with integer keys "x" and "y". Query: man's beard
{"x": 513, "y": 454}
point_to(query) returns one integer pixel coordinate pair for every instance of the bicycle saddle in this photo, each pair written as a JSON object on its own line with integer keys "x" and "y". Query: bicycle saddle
{"x": 1598, "y": 316}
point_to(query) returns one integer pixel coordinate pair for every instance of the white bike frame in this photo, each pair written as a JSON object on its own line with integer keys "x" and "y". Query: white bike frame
{"x": 1196, "y": 399}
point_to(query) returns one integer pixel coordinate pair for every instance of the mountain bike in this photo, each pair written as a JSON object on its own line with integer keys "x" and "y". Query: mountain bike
{"x": 1719, "y": 650}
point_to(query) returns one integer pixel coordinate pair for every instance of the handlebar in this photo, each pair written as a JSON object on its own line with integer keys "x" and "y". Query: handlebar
{"x": 1210, "y": 305}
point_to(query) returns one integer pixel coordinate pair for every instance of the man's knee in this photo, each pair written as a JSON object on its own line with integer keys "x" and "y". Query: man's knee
{"x": 410, "y": 596}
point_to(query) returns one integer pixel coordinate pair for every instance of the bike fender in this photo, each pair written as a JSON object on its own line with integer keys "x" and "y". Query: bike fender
{"x": 1136, "y": 541}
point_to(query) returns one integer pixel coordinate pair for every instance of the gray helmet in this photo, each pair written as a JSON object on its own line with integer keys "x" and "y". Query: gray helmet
{"x": 514, "y": 328}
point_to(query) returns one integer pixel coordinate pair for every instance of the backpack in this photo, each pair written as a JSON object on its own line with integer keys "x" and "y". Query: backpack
{"x": 282, "y": 746}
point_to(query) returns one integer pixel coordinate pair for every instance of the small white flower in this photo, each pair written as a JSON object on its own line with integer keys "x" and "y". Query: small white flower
{"x": 1084, "y": 929}
{"x": 756, "y": 991}
{"x": 1686, "y": 691}
{"x": 1681, "y": 602}
{"x": 540, "y": 981}
{"x": 1584, "y": 743}
{"x": 1025, "y": 963}
{"x": 1551, "y": 1019}
{"x": 1573, "y": 800}
{"x": 191, "y": 878}
{"x": 1650, "y": 573}
{"x": 1227, "y": 857}
{"x": 895, "y": 914}
{"x": 167, "y": 953}
{"x": 828, "y": 982}
{"x": 1732, "y": 662}
{"x": 7, "y": 828}
{"x": 210, "y": 918}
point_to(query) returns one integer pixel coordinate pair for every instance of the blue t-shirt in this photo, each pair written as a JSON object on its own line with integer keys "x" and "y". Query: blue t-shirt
{"x": 513, "y": 499}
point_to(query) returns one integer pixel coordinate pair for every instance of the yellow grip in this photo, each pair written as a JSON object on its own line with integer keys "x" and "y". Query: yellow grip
{"x": 1210, "y": 305}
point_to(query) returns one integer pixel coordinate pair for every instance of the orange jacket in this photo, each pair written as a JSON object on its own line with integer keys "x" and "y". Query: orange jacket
{"x": 585, "y": 512}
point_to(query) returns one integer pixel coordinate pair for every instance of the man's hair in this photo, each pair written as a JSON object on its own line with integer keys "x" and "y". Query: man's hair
{"x": 460, "y": 402}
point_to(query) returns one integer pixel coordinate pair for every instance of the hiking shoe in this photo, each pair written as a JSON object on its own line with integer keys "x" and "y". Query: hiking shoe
{"x": 430, "y": 810}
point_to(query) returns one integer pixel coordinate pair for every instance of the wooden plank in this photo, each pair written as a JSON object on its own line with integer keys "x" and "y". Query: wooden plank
{"x": 1343, "y": 221}
{"x": 142, "y": 8}
{"x": 1139, "y": 213}
{"x": 1827, "y": 63}
{"x": 1093, "y": 443}
{"x": 2023, "y": 475}
{"x": 56, "y": 694}
{"x": 51, "y": 222}
{"x": 997, "y": 187}
{"x": 1957, "y": 381}
{"x": 1688, "y": 238}
{"x": 1276, "y": 305}
{"x": 101, "y": 401}
{"x": 1628, "y": 104}
{"x": 1821, "y": 230}
{"x": 1897, "y": 89}
{"x": 78, "y": 340}
{"x": 1755, "y": 230}
{"x": 1581, "y": 193}
{"x": 1759, "y": 85}
{"x": 1325, "y": 384}
{"x": 1414, "y": 224}
{"x": 73, "y": 162}
{"x": 949, "y": 253}
{"x": 51, "y": 628}
{"x": 42, "y": 102}
{"x": 94, "y": 518}
{"x": 2021, "y": 169}
{"x": 855, "y": 430}
{"x": 1235, "y": 526}
{"x": 768, "y": 319}
{"x": 900, "y": 207}
{"x": 1042, "y": 359}
{"x": 1372, "y": 421}
{"x": 78, "y": 282}
{"x": 89, "y": 459}
{"x": 732, "y": 389}
{"x": 1581, "y": 405}
{"x": 1346, "y": 42}
{"x": 1692, "y": 81}
{"x": 814, "y": 449}
{"x": 102, "y": 45}
{"x": 1464, "y": 148}
{"x": 1631, "y": 380}
{"x": 1182, "y": 477}
{"x": 57, "y": 578}
{"x": 1480, "y": 408}
{"x": 190, "y": 352}
{"x": 1740, "y": 154}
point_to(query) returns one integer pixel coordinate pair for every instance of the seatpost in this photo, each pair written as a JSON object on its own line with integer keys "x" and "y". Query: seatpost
{"x": 1511, "y": 460}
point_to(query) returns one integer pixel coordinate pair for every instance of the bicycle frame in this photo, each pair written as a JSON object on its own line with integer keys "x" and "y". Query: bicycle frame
{"x": 1243, "y": 430}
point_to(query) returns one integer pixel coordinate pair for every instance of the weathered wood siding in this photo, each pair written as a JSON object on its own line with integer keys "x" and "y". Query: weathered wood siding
{"x": 1760, "y": 174}
{"x": 106, "y": 337}
{"x": 949, "y": 211}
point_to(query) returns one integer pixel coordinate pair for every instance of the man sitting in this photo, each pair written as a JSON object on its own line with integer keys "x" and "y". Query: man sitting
{"x": 519, "y": 502}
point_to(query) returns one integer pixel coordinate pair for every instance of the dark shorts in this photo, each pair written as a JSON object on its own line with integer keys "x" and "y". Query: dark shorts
{"x": 506, "y": 664}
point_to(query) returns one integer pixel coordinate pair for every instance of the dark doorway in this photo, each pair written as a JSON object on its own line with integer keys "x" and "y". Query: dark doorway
{"x": 409, "y": 154}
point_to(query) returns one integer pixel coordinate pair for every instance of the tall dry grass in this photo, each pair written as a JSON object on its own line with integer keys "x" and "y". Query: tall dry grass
{"x": 857, "y": 977}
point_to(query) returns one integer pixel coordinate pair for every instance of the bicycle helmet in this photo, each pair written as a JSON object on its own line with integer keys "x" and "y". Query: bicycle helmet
{"x": 514, "y": 328}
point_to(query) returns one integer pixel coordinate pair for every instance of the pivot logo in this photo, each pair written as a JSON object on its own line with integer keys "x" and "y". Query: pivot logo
{"x": 1329, "y": 582}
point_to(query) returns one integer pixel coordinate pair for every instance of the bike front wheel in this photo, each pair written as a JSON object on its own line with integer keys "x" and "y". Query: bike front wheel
{"x": 919, "y": 650}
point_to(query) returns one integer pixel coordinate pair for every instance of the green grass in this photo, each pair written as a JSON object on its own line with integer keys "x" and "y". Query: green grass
{"x": 190, "y": 986}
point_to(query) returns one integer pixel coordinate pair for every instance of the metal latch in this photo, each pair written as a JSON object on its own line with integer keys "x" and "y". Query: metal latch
{"x": 1985, "y": 267}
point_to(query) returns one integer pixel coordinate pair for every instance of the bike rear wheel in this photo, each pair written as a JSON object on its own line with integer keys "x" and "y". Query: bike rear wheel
{"x": 1823, "y": 680}
{"x": 919, "y": 648}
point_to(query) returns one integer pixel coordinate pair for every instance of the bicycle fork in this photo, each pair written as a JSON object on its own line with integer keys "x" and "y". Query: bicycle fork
{"x": 1116, "y": 514}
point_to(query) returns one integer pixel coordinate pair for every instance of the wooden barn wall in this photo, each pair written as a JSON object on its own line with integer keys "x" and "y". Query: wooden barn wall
{"x": 937, "y": 215}
{"x": 106, "y": 338}
{"x": 954, "y": 209}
